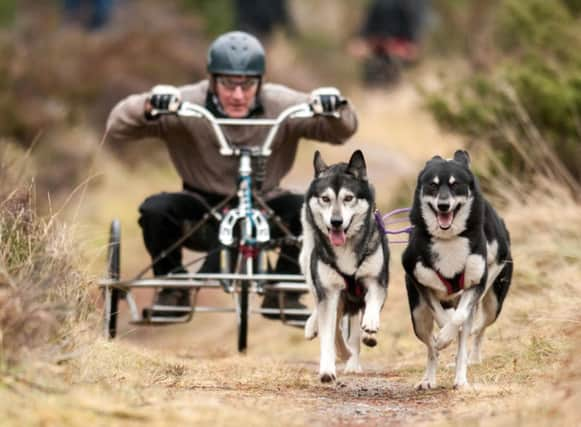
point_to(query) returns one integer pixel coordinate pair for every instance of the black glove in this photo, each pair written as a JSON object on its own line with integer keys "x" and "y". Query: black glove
{"x": 326, "y": 101}
{"x": 164, "y": 99}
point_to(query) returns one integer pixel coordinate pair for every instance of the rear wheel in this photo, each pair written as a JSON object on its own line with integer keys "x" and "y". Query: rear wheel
{"x": 111, "y": 294}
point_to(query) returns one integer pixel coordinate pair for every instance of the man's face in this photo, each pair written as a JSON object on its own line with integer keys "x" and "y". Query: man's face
{"x": 236, "y": 94}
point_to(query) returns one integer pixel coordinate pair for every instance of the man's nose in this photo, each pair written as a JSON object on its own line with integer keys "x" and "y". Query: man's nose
{"x": 238, "y": 93}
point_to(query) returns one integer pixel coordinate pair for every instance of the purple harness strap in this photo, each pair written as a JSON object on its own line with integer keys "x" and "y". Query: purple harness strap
{"x": 384, "y": 220}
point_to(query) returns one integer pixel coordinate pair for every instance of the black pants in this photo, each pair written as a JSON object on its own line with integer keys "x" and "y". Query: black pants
{"x": 164, "y": 218}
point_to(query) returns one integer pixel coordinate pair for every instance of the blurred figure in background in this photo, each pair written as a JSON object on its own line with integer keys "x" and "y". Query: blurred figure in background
{"x": 389, "y": 38}
{"x": 94, "y": 14}
{"x": 262, "y": 17}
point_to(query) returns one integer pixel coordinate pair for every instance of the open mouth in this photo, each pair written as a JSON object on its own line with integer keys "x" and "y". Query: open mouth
{"x": 445, "y": 219}
{"x": 337, "y": 236}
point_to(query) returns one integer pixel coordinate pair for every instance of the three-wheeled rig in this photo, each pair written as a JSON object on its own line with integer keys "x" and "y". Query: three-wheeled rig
{"x": 244, "y": 236}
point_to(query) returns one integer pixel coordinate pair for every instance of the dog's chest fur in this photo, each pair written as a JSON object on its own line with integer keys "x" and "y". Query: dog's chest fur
{"x": 449, "y": 256}
{"x": 346, "y": 259}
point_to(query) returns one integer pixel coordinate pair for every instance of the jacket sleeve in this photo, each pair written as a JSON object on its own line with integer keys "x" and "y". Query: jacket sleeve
{"x": 127, "y": 121}
{"x": 335, "y": 130}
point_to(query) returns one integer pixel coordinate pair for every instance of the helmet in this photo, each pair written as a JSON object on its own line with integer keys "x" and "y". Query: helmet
{"x": 237, "y": 53}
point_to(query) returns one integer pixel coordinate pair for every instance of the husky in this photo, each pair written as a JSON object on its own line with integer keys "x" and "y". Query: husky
{"x": 458, "y": 263}
{"x": 345, "y": 259}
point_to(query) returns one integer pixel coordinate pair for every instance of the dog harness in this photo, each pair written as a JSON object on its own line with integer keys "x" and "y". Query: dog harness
{"x": 355, "y": 291}
{"x": 453, "y": 285}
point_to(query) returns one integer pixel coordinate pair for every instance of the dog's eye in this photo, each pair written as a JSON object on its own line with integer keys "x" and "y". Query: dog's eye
{"x": 325, "y": 199}
{"x": 433, "y": 186}
{"x": 348, "y": 198}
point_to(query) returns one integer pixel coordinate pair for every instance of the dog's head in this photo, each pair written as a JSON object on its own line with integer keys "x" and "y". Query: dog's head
{"x": 340, "y": 197}
{"x": 444, "y": 195}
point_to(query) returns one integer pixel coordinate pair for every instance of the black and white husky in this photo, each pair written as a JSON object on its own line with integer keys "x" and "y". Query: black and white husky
{"x": 345, "y": 260}
{"x": 458, "y": 263}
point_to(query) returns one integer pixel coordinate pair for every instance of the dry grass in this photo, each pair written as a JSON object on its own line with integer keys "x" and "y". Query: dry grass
{"x": 43, "y": 295}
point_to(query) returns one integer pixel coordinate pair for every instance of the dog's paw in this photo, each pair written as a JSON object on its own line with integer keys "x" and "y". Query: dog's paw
{"x": 475, "y": 358}
{"x": 426, "y": 384}
{"x": 311, "y": 327}
{"x": 353, "y": 366}
{"x": 369, "y": 339}
{"x": 461, "y": 385}
{"x": 446, "y": 336}
{"x": 327, "y": 377}
{"x": 370, "y": 323}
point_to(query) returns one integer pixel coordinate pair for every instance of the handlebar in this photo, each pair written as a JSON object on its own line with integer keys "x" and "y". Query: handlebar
{"x": 188, "y": 109}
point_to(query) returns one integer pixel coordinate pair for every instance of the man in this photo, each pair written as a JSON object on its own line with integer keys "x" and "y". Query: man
{"x": 234, "y": 89}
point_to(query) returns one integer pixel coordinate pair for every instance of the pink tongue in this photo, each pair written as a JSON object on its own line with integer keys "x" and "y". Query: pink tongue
{"x": 445, "y": 219}
{"x": 337, "y": 237}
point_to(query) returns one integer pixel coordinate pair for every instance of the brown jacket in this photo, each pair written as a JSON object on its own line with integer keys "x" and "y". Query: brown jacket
{"x": 193, "y": 147}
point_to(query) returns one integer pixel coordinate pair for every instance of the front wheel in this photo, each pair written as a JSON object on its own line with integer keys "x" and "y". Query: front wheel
{"x": 256, "y": 265}
{"x": 243, "y": 316}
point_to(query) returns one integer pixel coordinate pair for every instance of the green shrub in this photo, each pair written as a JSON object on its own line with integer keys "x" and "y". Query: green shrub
{"x": 7, "y": 12}
{"x": 217, "y": 14}
{"x": 527, "y": 106}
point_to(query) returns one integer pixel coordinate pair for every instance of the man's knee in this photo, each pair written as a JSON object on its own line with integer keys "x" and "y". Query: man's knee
{"x": 155, "y": 205}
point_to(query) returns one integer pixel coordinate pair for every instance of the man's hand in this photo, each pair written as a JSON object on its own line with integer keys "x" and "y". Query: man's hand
{"x": 164, "y": 99}
{"x": 326, "y": 101}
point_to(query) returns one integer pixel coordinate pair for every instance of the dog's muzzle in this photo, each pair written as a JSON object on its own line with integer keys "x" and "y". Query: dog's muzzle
{"x": 336, "y": 232}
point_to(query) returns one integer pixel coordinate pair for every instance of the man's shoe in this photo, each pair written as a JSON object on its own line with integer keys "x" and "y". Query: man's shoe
{"x": 290, "y": 302}
{"x": 178, "y": 298}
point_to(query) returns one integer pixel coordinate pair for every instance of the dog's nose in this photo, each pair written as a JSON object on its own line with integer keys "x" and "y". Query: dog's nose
{"x": 443, "y": 206}
{"x": 336, "y": 222}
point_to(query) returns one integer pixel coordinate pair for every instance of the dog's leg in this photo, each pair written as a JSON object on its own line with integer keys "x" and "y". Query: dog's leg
{"x": 327, "y": 313}
{"x": 488, "y": 310}
{"x": 423, "y": 321}
{"x": 343, "y": 352}
{"x": 441, "y": 315}
{"x": 484, "y": 316}
{"x": 465, "y": 307}
{"x": 461, "y": 380}
{"x": 354, "y": 343}
{"x": 374, "y": 300}
{"x": 475, "y": 274}
{"x": 311, "y": 325}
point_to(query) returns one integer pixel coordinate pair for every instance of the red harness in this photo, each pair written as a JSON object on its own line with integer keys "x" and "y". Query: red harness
{"x": 355, "y": 291}
{"x": 454, "y": 285}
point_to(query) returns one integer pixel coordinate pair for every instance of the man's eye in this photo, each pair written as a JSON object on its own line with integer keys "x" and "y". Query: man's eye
{"x": 348, "y": 198}
{"x": 325, "y": 199}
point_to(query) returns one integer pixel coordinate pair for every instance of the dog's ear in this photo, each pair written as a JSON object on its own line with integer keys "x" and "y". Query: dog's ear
{"x": 357, "y": 166}
{"x": 319, "y": 164}
{"x": 462, "y": 156}
{"x": 435, "y": 159}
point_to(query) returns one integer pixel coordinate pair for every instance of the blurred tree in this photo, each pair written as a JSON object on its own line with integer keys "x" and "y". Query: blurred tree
{"x": 217, "y": 15}
{"x": 7, "y": 12}
{"x": 526, "y": 106}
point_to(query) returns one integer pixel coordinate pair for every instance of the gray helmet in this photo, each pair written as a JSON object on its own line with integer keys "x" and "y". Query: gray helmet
{"x": 237, "y": 53}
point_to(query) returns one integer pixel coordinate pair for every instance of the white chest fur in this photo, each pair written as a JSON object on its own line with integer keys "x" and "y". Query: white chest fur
{"x": 449, "y": 256}
{"x": 346, "y": 259}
